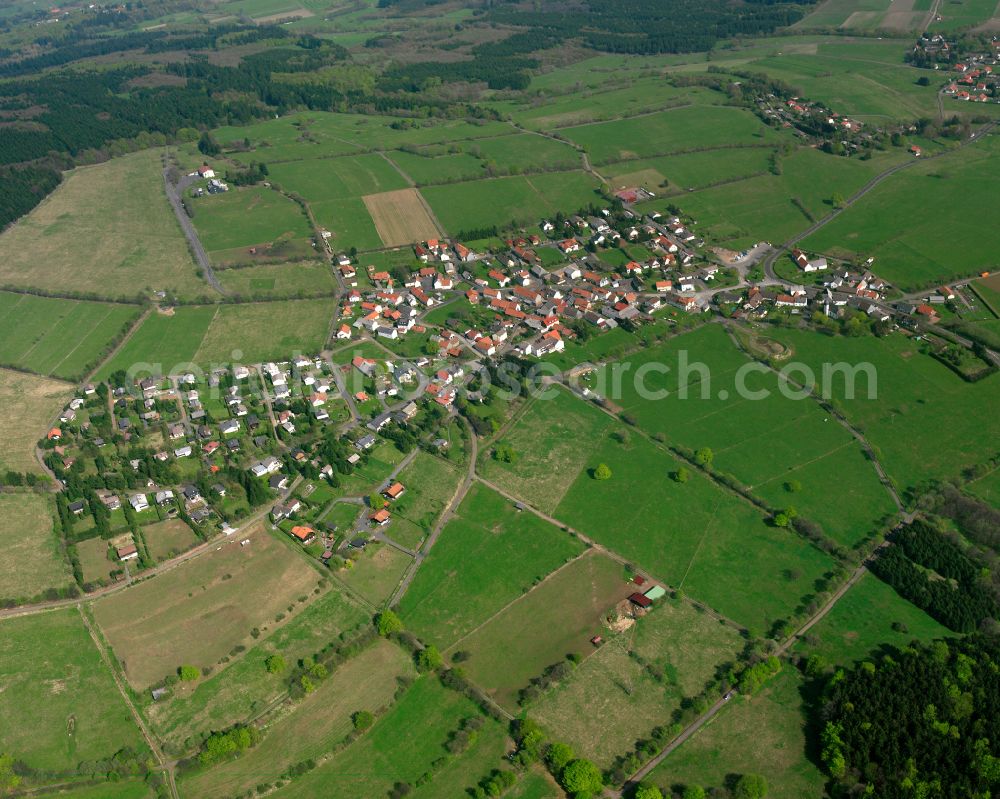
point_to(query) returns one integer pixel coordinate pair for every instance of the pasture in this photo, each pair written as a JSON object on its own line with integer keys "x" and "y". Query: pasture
{"x": 198, "y": 612}
{"x": 94, "y": 560}
{"x": 166, "y": 539}
{"x": 915, "y": 394}
{"x": 871, "y": 615}
{"x": 430, "y": 482}
{"x": 401, "y": 217}
{"x": 987, "y": 488}
{"x": 390, "y": 752}
{"x": 911, "y": 223}
{"x": 42, "y": 717}
{"x": 273, "y": 281}
{"x": 376, "y": 572}
{"x": 687, "y": 128}
{"x": 31, "y": 559}
{"x": 348, "y": 219}
{"x": 249, "y": 217}
{"x": 764, "y": 735}
{"x": 611, "y": 700}
{"x": 319, "y": 179}
{"x": 163, "y": 343}
{"x": 692, "y": 170}
{"x": 28, "y": 406}
{"x": 242, "y": 687}
{"x": 58, "y": 338}
{"x": 263, "y": 331}
{"x": 108, "y": 229}
{"x": 366, "y": 682}
{"x": 558, "y": 617}
{"x": 487, "y": 556}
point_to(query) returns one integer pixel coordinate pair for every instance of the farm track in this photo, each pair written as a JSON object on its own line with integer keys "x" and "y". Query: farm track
{"x": 173, "y": 195}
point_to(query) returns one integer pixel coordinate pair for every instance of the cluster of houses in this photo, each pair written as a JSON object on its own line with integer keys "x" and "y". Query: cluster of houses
{"x": 214, "y": 185}
{"x": 974, "y": 82}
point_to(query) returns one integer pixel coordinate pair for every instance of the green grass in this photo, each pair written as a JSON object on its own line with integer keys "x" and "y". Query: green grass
{"x": 692, "y": 170}
{"x": 349, "y": 221}
{"x": 430, "y": 482}
{"x": 322, "y": 179}
{"x": 391, "y": 752}
{"x": 869, "y": 616}
{"x": 30, "y": 556}
{"x": 484, "y": 203}
{"x": 262, "y": 331}
{"x": 610, "y": 700}
{"x": 486, "y": 556}
{"x": 376, "y": 571}
{"x": 61, "y": 338}
{"x": 688, "y": 128}
{"x": 44, "y": 719}
{"x": 764, "y": 735}
{"x": 987, "y": 488}
{"x": 245, "y": 217}
{"x": 912, "y": 222}
{"x": 243, "y": 687}
{"x": 280, "y": 280}
{"x": 164, "y": 340}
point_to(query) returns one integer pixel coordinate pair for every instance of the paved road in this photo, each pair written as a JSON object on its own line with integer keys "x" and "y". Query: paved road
{"x": 174, "y": 196}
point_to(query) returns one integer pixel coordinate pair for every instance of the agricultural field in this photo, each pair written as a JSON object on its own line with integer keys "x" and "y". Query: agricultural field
{"x": 481, "y": 204}
{"x": 558, "y": 617}
{"x": 611, "y": 700}
{"x": 94, "y": 560}
{"x": 376, "y": 572}
{"x": 163, "y": 343}
{"x": 911, "y": 223}
{"x": 868, "y": 15}
{"x": 28, "y": 406}
{"x": 321, "y": 179}
{"x": 684, "y": 171}
{"x": 314, "y": 726}
{"x": 273, "y": 281}
{"x": 30, "y": 556}
{"x": 107, "y": 230}
{"x": 198, "y": 612}
{"x": 390, "y": 752}
{"x": 987, "y": 488}
{"x": 42, "y": 717}
{"x": 764, "y": 735}
{"x": 688, "y": 128}
{"x": 430, "y": 483}
{"x": 486, "y": 556}
{"x": 58, "y": 338}
{"x": 242, "y": 687}
{"x": 401, "y": 217}
{"x": 686, "y": 534}
{"x": 871, "y": 615}
{"x": 916, "y": 394}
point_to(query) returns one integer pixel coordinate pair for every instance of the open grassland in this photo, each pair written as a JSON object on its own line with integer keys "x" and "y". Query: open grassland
{"x": 611, "y": 700}
{"x": 401, "y": 217}
{"x": 163, "y": 343}
{"x": 430, "y": 482}
{"x": 987, "y": 488}
{"x": 94, "y": 560}
{"x": 557, "y": 617}
{"x": 403, "y": 745}
{"x": 196, "y": 613}
{"x": 107, "y": 230}
{"x": 349, "y": 221}
{"x": 688, "y": 128}
{"x": 925, "y": 422}
{"x": 30, "y": 557}
{"x": 278, "y": 280}
{"x": 28, "y": 405}
{"x": 960, "y": 14}
{"x": 917, "y": 224}
{"x": 869, "y": 616}
{"x": 768, "y": 441}
{"x": 242, "y": 688}
{"x": 428, "y": 167}
{"x": 376, "y": 572}
{"x": 764, "y": 735}
{"x": 123, "y": 789}
{"x": 776, "y": 207}
{"x": 486, "y": 556}
{"x": 167, "y": 539}
{"x": 61, "y": 338}
{"x": 247, "y": 217}
{"x": 693, "y": 534}
{"x": 321, "y": 179}
{"x": 692, "y": 170}
{"x": 312, "y": 727}
{"x": 262, "y": 331}
{"x": 59, "y": 705}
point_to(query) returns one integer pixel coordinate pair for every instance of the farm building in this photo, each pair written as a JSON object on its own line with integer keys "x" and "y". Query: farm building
{"x": 640, "y": 600}
{"x": 656, "y": 592}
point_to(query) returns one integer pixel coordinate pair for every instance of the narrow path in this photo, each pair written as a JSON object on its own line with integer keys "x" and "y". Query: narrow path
{"x": 174, "y": 196}
{"x": 118, "y": 348}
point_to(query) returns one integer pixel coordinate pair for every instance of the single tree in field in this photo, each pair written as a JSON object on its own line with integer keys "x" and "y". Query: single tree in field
{"x": 429, "y": 659}
{"x": 362, "y": 720}
{"x": 602, "y": 472}
{"x": 275, "y": 664}
{"x": 681, "y": 475}
{"x": 188, "y": 673}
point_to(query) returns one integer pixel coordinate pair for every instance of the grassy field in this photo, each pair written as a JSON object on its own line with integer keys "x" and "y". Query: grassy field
{"x": 94, "y": 561}
{"x": 376, "y": 572}
{"x": 42, "y": 718}
{"x": 498, "y": 201}
{"x": 987, "y": 488}
{"x": 349, "y": 221}
{"x": 688, "y": 128}
{"x": 196, "y": 613}
{"x": 486, "y": 556}
{"x": 278, "y": 280}
{"x": 870, "y": 615}
{"x": 108, "y": 229}
{"x": 764, "y": 735}
{"x": 691, "y": 170}
{"x": 163, "y": 343}
{"x": 28, "y": 405}
{"x": 392, "y": 753}
{"x": 329, "y": 178}
{"x": 693, "y": 535}
{"x": 247, "y": 217}
{"x": 430, "y": 482}
{"x": 401, "y": 217}
{"x": 911, "y": 222}
{"x": 610, "y": 700}
{"x": 242, "y": 688}
{"x": 167, "y": 539}
{"x": 60, "y": 338}
{"x": 30, "y": 557}
{"x": 926, "y": 422}
{"x": 314, "y": 725}
{"x": 557, "y": 617}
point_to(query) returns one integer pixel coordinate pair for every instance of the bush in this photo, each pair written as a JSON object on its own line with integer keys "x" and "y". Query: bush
{"x": 362, "y": 720}
{"x": 602, "y": 472}
{"x": 188, "y": 673}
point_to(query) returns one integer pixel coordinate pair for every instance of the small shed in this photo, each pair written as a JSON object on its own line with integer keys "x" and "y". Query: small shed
{"x": 656, "y": 592}
{"x": 640, "y": 600}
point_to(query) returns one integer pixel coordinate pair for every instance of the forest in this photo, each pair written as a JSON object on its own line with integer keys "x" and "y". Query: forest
{"x": 922, "y": 722}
